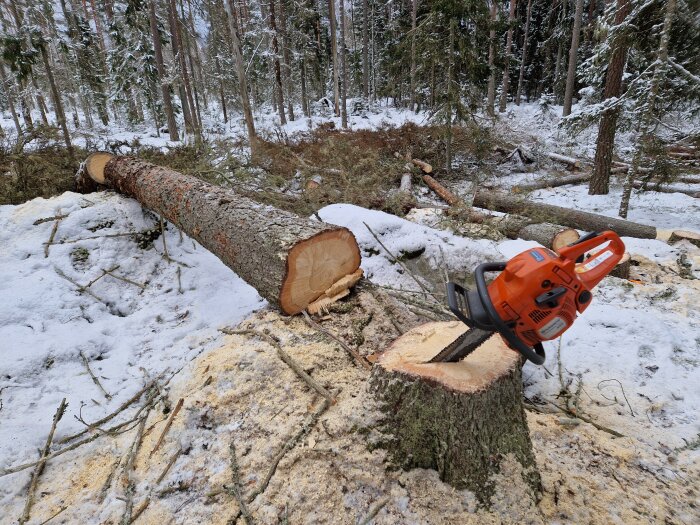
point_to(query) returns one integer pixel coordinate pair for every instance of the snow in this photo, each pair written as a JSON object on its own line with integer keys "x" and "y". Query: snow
{"x": 45, "y": 323}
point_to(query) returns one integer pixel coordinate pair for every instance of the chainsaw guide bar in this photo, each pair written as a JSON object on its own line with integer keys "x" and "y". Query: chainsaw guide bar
{"x": 461, "y": 347}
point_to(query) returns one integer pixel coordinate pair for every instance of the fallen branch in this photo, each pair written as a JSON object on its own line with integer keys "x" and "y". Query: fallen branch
{"x": 42, "y": 463}
{"x": 236, "y": 489}
{"x": 93, "y": 376}
{"x": 171, "y": 462}
{"x": 424, "y": 166}
{"x": 83, "y": 289}
{"x": 355, "y": 355}
{"x": 455, "y": 202}
{"x": 168, "y": 424}
{"x": 139, "y": 510}
{"x": 53, "y": 234}
{"x": 284, "y": 356}
{"x": 53, "y": 516}
{"x": 569, "y": 161}
{"x": 128, "y": 470}
{"x": 48, "y": 219}
{"x": 374, "y": 510}
{"x": 586, "y": 419}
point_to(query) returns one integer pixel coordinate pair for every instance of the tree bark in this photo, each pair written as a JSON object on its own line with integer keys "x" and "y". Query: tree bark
{"x": 507, "y": 53}
{"x": 573, "y": 54}
{"x": 414, "y": 14}
{"x": 521, "y": 75}
{"x": 499, "y": 201}
{"x": 160, "y": 66}
{"x": 646, "y": 125}
{"x": 605, "y": 143}
{"x": 290, "y": 260}
{"x": 188, "y": 106}
{"x": 279, "y": 90}
{"x": 240, "y": 72}
{"x": 343, "y": 65}
{"x": 286, "y": 61}
{"x": 334, "y": 58}
{"x": 365, "y": 49}
{"x": 491, "y": 90}
{"x": 462, "y": 419}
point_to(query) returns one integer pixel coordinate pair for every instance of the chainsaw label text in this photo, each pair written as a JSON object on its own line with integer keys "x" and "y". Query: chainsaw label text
{"x": 552, "y": 328}
{"x": 596, "y": 261}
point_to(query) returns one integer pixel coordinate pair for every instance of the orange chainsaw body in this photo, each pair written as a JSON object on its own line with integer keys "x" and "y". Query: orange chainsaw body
{"x": 540, "y": 292}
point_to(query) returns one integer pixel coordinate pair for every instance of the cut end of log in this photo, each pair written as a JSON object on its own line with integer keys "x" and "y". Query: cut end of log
{"x": 564, "y": 238}
{"x": 409, "y": 354}
{"x": 95, "y": 165}
{"x": 684, "y": 235}
{"x": 424, "y": 166}
{"x": 316, "y": 264}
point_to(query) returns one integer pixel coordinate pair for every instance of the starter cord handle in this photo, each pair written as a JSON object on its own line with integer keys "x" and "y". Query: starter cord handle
{"x": 535, "y": 354}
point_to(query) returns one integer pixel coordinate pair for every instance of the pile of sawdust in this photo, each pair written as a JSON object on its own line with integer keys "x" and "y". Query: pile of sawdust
{"x": 243, "y": 394}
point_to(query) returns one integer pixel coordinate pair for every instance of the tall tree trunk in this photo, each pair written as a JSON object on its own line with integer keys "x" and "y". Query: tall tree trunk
{"x": 162, "y": 75}
{"x": 414, "y": 14}
{"x": 286, "y": 61}
{"x": 507, "y": 53}
{"x": 279, "y": 89}
{"x": 365, "y": 49}
{"x": 222, "y": 94}
{"x": 304, "y": 97}
{"x": 343, "y": 65}
{"x": 521, "y": 75}
{"x": 58, "y": 105}
{"x": 647, "y": 126}
{"x": 448, "y": 112}
{"x": 334, "y": 53}
{"x": 560, "y": 53}
{"x": 10, "y": 99}
{"x": 605, "y": 143}
{"x": 188, "y": 109}
{"x": 240, "y": 71}
{"x": 573, "y": 54}
{"x": 491, "y": 92}
{"x": 40, "y": 102}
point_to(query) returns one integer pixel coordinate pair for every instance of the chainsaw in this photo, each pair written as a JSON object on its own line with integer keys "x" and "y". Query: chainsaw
{"x": 536, "y": 296}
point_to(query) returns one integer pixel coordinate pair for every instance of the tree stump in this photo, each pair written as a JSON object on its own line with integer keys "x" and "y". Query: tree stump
{"x": 461, "y": 419}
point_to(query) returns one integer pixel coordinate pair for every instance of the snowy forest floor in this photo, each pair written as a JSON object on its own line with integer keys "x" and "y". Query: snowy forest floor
{"x": 154, "y": 317}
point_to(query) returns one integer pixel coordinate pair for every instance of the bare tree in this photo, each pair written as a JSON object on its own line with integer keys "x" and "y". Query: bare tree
{"x": 365, "y": 49}
{"x": 286, "y": 61}
{"x": 162, "y": 76}
{"x": 279, "y": 90}
{"x": 508, "y": 50}
{"x": 573, "y": 54}
{"x": 343, "y": 65}
{"x": 334, "y": 53}
{"x": 58, "y": 105}
{"x": 521, "y": 76}
{"x": 491, "y": 93}
{"x": 600, "y": 179}
{"x": 414, "y": 14}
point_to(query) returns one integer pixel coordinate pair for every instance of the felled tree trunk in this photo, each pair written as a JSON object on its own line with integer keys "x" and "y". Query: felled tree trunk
{"x": 290, "y": 260}
{"x": 582, "y": 220}
{"x": 461, "y": 419}
{"x": 549, "y": 235}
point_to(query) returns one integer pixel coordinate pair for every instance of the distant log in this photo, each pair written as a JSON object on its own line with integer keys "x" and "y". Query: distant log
{"x": 652, "y": 186}
{"x": 569, "y": 161}
{"x": 461, "y": 419}
{"x": 453, "y": 200}
{"x": 290, "y": 260}
{"x": 406, "y": 184}
{"x": 685, "y": 235}
{"x": 549, "y": 235}
{"x": 424, "y": 166}
{"x": 555, "y": 182}
{"x": 582, "y": 220}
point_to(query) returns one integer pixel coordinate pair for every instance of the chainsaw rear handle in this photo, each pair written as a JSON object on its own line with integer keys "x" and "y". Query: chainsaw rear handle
{"x": 535, "y": 354}
{"x": 592, "y": 270}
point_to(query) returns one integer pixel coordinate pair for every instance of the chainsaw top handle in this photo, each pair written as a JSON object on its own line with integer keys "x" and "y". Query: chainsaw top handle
{"x": 592, "y": 270}
{"x": 534, "y": 354}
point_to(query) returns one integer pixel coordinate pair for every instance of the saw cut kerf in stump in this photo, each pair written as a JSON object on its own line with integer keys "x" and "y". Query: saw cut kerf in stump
{"x": 461, "y": 419}
{"x": 290, "y": 260}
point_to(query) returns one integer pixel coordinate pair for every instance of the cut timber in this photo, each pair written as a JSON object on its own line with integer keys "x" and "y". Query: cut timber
{"x": 95, "y": 163}
{"x": 549, "y": 235}
{"x": 685, "y": 235}
{"x": 460, "y": 419}
{"x": 582, "y": 220}
{"x": 648, "y": 186}
{"x": 452, "y": 199}
{"x": 569, "y": 161}
{"x": 291, "y": 261}
{"x": 424, "y": 166}
{"x": 555, "y": 182}
{"x": 314, "y": 182}
{"x": 622, "y": 269}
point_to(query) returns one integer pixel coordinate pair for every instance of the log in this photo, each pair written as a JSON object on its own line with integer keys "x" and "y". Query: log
{"x": 582, "y": 220}
{"x": 95, "y": 162}
{"x": 461, "y": 419}
{"x": 314, "y": 182}
{"x": 685, "y": 235}
{"x": 622, "y": 268}
{"x": 291, "y": 261}
{"x": 453, "y": 200}
{"x": 650, "y": 186}
{"x": 406, "y": 184}
{"x": 549, "y": 235}
{"x": 555, "y": 182}
{"x": 569, "y": 161}
{"x": 424, "y": 166}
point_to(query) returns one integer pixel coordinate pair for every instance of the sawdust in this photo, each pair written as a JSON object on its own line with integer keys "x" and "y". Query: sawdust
{"x": 243, "y": 392}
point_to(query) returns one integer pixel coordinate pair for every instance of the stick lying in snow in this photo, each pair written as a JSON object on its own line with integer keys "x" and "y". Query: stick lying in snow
{"x": 236, "y": 488}
{"x": 42, "y": 463}
{"x": 167, "y": 426}
{"x": 288, "y": 259}
{"x": 355, "y": 355}
{"x": 93, "y": 376}
{"x": 374, "y": 510}
{"x": 53, "y": 234}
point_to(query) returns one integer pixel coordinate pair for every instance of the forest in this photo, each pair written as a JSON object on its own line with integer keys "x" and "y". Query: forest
{"x": 354, "y": 262}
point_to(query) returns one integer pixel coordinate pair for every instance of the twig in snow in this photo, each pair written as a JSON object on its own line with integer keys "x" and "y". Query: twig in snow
{"x": 586, "y": 419}
{"x": 83, "y": 289}
{"x": 129, "y": 281}
{"x": 139, "y": 510}
{"x": 49, "y": 219}
{"x": 108, "y": 481}
{"x": 167, "y": 468}
{"x": 53, "y": 234}
{"x": 623, "y": 392}
{"x": 361, "y": 360}
{"x": 284, "y": 356}
{"x": 396, "y": 260}
{"x": 42, "y": 463}
{"x": 179, "y": 281}
{"x": 236, "y": 490}
{"x": 167, "y": 426}
{"x": 52, "y": 517}
{"x": 166, "y": 255}
{"x": 94, "y": 377}
{"x": 111, "y": 416}
{"x": 107, "y": 236}
{"x": 128, "y": 473}
{"x": 374, "y": 510}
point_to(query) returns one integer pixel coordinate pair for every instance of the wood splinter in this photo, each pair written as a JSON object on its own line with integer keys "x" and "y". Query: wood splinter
{"x": 338, "y": 290}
